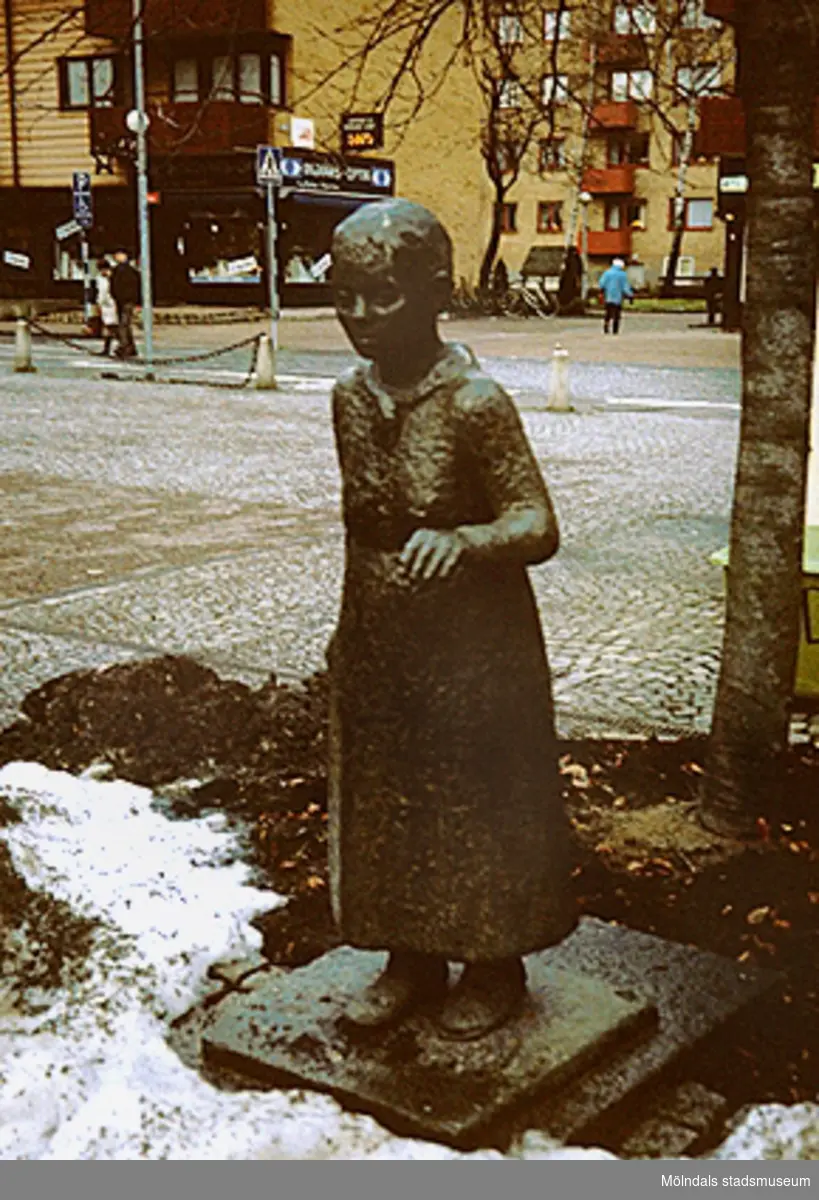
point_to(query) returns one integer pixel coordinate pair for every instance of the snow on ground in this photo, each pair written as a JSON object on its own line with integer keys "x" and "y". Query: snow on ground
{"x": 85, "y": 1071}
{"x": 90, "y": 1076}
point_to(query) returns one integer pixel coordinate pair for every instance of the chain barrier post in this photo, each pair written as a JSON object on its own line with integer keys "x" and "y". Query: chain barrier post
{"x": 22, "y": 347}
{"x": 559, "y": 394}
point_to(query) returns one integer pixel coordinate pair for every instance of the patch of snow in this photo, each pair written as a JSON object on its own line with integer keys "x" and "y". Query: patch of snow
{"x": 774, "y": 1131}
{"x": 91, "y": 1076}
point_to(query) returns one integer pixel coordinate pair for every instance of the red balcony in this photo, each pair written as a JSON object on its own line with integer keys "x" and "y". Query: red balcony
{"x": 215, "y": 128}
{"x": 607, "y": 243}
{"x": 723, "y": 10}
{"x": 613, "y": 114}
{"x": 609, "y": 181}
{"x": 722, "y": 127}
{"x": 112, "y": 18}
{"x": 621, "y": 50}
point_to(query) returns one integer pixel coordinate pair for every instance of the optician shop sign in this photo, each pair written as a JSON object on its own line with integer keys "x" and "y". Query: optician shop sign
{"x": 311, "y": 171}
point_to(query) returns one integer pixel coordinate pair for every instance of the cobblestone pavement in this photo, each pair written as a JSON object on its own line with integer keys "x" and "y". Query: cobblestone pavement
{"x": 140, "y": 519}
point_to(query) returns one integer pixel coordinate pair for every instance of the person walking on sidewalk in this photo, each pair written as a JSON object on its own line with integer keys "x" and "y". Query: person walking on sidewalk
{"x": 125, "y": 289}
{"x": 108, "y": 309}
{"x": 614, "y": 288}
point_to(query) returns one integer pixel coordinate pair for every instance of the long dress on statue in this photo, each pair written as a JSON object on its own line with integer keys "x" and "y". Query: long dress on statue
{"x": 447, "y": 833}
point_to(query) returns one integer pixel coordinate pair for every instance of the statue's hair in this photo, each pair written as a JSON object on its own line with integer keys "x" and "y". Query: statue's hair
{"x": 417, "y": 239}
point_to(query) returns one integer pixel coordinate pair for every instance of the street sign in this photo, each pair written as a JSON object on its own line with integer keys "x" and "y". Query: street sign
{"x": 82, "y": 199}
{"x": 67, "y": 230}
{"x": 14, "y": 259}
{"x": 268, "y": 170}
{"x": 362, "y": 131}
{"x": 734, "y": 185}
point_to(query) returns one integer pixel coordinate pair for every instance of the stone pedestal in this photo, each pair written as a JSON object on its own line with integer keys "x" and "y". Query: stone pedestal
{"x": 610, "y": 1010}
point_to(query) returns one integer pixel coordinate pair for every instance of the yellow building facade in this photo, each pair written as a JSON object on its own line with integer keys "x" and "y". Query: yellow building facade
{"x": 220, "y": 82}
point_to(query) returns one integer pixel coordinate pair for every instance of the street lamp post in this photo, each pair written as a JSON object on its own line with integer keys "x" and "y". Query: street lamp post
{"x": 585, "y": 199}
{"x": 137, "y": 121}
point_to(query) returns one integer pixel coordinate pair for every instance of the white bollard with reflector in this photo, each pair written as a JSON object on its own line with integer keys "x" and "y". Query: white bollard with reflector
{"x": 265, "y": 364}
{"x": 22, "y": 347}
{"x": 559, "y": 394}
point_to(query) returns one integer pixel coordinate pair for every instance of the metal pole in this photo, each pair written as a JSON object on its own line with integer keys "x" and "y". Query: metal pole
{"x": 271, "y": 268}
{"x": 142, "y": 183}
{"x": 86, "y": 281}
{"x": 585, "y": 252}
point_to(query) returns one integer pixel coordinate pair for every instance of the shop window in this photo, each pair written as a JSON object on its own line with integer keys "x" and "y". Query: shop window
{"x": 510, "y": 94}
{"x": 510, "y": 29}
{"x": 509, "y": 218}
{"x": 697, "y": 214}
{"x": 555, "y": 89}
{"x": 632, "y": 85}
{"x": 556, "y": 25}
{"x": 704, "y": 79}
{"x": 87, "y": 82}
{"x": 552, "y": 154}
{"x": 631, "y": 148}
{"x": 550, "y": 216}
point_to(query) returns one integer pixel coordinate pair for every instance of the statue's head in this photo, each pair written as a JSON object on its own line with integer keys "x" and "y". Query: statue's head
{"x": 392, "y": 276}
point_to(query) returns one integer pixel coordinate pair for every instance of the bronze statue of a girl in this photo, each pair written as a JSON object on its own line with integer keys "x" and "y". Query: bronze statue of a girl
{"x": 448, "y": 837}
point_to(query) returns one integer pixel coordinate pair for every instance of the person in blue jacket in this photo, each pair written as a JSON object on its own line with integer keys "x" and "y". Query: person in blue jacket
{"x": 614, "y": 288}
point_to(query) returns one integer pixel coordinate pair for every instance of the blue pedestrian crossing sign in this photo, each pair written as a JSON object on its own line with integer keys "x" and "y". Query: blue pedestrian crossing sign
{"x": 268, "y": 165}
{"x": 83, "y": 203}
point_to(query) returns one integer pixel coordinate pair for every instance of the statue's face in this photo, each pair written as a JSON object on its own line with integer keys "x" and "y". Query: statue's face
{"x": 381, "y": 312}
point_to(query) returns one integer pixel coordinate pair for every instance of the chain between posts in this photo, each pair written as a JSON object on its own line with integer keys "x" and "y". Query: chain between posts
{"x": 170, "y": 361}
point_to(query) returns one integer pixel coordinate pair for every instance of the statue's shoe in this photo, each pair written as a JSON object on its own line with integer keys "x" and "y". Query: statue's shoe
{"x": 407, "y": 981}
{"x": 486, "y": 996}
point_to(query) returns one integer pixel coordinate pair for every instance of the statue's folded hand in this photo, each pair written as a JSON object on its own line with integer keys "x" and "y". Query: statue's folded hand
{"x": 432, "y": 553}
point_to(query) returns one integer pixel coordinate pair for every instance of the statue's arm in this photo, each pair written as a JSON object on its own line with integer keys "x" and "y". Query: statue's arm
{"x": 525, "y": 527}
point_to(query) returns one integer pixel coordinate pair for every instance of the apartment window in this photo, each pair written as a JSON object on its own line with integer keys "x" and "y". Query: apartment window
{"x": 510, "y": 29}
{"x": 186, "y": 80}
{"x": 510, "y": 94}
{"x": 556, "y": 24}
{"x": 509, "y": 218}
{"x": 635, "y": 18}
{"x": 636, "y": 211}
{"x": 697, "y": 214}
{"x": 555, "y": 89}
{"x": 507, "y": 156}
{"x": 693, "y": 15}
{"x": 552, "y": 154}
{"x": 632, "y": 85}
{"x": 88, "y": 82}
{"x": 614, "y": 214}
{"x": 633, "y": 148}
{"x": 704, "y": 79}
{"x": 247, "y": 77}
{"x": 550, "y": 216}
{"x": 686, "y": 267}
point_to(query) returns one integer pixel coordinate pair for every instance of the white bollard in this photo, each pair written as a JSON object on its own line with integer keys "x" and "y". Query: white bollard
{"x": 265, "y": 364}
{"x": 559, "y": 395}
{"x": 22, "y": 347}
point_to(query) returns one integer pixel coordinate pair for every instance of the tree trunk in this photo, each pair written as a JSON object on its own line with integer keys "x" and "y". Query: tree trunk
{"x": 750, "y": 726}
{"x": 686, "y": 151}
{"x": 488, "y": 261}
